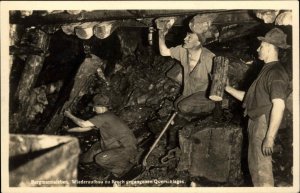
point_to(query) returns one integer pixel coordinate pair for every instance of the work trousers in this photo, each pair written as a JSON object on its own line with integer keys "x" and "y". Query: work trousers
{"x": 195, "y": 103}
{"x": 260, "y": 166}
{"x": 117, "y": 159}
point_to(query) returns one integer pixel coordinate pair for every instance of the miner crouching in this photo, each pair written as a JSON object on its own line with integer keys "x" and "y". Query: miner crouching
{"x": 264, "y": 104}
{"x": 197, "y": 64}
{"x": 116, "y": 150}
{"x": 194, "y": 76}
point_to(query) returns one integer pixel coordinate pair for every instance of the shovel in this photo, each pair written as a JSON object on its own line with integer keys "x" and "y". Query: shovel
{"x": 141, "y": 168}
{"x": 158, "y": 138}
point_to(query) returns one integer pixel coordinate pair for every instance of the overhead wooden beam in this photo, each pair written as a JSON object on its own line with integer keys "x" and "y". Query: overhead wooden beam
{"x": 236, "y": 31}
{"x": 237, "y": 16}
{"x": 105, "y": 29}
{"x": 284, "y": 18}
{"x": 84, "y": 31}
{"x": 97, "y": 15}
{"x": 268, "y": 16}
{"x": 104, "y": 15}
{"x": 165, "y": 23}
{"x": 201, "y": 23}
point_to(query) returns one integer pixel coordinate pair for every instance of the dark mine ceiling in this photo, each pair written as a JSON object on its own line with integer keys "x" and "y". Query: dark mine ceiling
{"x": 40, "y": 17}
{"x": 229, "y": 24}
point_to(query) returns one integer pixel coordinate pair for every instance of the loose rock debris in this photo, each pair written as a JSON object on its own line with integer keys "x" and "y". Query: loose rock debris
{"x": 142, "y": 95}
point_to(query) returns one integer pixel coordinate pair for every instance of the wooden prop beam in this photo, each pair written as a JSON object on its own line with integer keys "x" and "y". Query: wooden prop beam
{"x": 268, "y": 16}
{"x": 50, "y": 29}
{"x": 15, "y": 34}
{"x": 284, "y": 18}
{"x": 105, "y": 29}
{"x": 69, "y": 28}
{"x": 220, "y": 72}
{"x": 35, "y": 38}
{"x": 165, "y": 23}
{"x": 34, "y": 63}
{"x": 201, "y": 23}
{"x": 99, "y": 16}
{"x": 74, "y": 12}
{"x": 85, "y": 31}
{"x": 33, "y": 66}
{"x": 83, "y": 79}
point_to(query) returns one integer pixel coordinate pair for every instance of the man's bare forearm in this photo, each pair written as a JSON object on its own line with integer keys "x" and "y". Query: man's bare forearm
{"x": 275, "y": 117}
{"x": 80, "y": 129}
{"x": 163, "y": 49}
{"x": 238, "y": 94}
{"x": 275, "y": 120}
{"x": 76, "y": 120}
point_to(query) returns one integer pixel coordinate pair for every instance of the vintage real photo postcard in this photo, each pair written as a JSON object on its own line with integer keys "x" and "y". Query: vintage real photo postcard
{"x": 193, "y": 96}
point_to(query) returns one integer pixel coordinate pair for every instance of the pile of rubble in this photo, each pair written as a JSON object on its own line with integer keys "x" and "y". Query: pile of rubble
{"x": 142, "y": 95}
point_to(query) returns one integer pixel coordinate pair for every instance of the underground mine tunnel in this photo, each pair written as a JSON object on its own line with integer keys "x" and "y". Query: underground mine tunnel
{"x": 59, "y": 60}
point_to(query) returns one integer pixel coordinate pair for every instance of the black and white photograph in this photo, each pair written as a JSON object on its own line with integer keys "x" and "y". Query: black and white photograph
{"x": 138, "y": 95}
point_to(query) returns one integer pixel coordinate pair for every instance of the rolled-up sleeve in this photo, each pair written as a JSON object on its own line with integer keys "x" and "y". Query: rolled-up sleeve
{"x": 278, "y": 87}
{"x": 177, "y": 52}
{"x": 97, "y": 121}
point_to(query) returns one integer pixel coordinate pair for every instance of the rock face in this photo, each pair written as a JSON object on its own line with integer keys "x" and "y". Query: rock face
{"x": 84, "y": 77}
{"x": 212, "y": 150}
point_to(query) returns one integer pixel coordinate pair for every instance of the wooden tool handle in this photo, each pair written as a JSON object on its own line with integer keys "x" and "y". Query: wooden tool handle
{"x": 158, "y": 138}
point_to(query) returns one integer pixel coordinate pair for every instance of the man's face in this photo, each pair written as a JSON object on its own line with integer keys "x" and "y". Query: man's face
{"x": 191, "y": 41}
{"x": 263, "y": 50}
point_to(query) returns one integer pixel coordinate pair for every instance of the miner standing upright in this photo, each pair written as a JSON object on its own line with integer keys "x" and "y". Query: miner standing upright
{"x": 264, "y": 104}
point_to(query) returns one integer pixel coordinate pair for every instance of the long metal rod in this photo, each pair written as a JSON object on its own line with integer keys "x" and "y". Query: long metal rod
{"x": 158, "y": 138}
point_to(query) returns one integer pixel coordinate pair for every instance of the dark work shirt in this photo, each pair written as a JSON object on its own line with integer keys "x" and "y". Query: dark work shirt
{"x": 113, "y": 129}
{"x": 271, "y": 83}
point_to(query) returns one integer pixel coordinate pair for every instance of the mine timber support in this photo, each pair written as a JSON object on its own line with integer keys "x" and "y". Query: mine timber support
{"x": 220, "y": 72}
{"x": 58, "y": 117}
{"x": 33, "y": 66}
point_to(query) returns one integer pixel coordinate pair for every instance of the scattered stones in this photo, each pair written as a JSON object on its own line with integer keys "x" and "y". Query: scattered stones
{"x": 142, "y": 95}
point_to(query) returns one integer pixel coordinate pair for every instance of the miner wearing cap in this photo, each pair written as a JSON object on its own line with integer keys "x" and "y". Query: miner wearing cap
{"x": 196, "y": 62}
{"x": 117, "y": 149}
{"x": 264, "y": 104}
